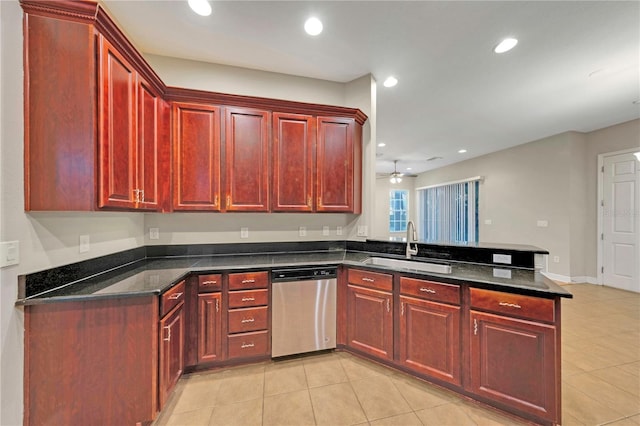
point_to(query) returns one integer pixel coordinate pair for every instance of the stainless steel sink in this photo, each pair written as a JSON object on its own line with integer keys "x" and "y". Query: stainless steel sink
{"x": 409, "y": 264}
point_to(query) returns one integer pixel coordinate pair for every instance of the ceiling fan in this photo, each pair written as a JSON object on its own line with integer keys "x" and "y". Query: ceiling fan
{"x": 395, "y": 176}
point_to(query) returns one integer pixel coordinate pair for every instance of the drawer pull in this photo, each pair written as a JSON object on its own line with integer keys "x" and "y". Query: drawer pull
{"x": 245, "y": 320}
{"x": 369, "y": 280}
{"x": 511, "y": 305}
{"x": 248, "y": 299}
{"x": 175, "y": 296}
{"x": 168, "y": 338}
{"x": 475, "y": 327}
{"x": 209, "y": 282}
{"x": 247, "y": 345}
{"x": 427, "y": 290}
{"x": 248, "y": 281}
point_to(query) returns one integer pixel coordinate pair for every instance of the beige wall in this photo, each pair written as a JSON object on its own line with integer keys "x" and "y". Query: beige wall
{"x": 553, "y": 179}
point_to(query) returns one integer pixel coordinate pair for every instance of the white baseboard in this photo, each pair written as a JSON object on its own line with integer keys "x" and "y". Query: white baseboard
{"x": 567, "y": 279}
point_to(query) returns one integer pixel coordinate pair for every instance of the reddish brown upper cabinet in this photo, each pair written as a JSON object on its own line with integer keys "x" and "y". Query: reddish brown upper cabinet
{"x": 196, "y": 157}
{"x": 293, "y": 162}
{"x": 339, "y": 165}
{"x": 247, "y": 159}
{"x": 93, "y": 125}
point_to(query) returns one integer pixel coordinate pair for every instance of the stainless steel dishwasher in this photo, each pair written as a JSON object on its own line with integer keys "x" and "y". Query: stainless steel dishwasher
{"x": 303, "y": 315}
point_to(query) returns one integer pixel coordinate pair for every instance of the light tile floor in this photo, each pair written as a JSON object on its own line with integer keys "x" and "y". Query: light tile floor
{"x": 600, "y": 381}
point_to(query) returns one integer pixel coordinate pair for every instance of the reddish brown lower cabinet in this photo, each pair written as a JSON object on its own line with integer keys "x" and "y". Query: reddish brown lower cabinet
{"x": 430, "y": 338}
{"x": 514, "y": 362}
{"x": 172, "y": 335}
{"x": 209, "y": 327}
{"x": 91, "y": 362}
{"x": 370, "y": 321}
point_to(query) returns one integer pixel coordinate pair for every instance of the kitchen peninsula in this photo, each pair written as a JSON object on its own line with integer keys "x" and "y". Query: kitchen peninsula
{"x": 488, "y": 331}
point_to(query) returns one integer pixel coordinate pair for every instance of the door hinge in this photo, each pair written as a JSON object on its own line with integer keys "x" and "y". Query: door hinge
{"x": 602, "y": 269}
{"x": 602, "y": 169}
{"x": 602, "y": 203}
{"x": 602, "y": 237}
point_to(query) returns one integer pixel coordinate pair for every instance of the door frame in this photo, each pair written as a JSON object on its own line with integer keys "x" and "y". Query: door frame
{"x": 600, "y": 207}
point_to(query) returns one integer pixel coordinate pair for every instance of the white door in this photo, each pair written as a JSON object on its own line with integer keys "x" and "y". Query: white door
{"x": 621, "y": 222}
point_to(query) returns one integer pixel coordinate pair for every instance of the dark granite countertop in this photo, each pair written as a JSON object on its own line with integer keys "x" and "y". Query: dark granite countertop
{"x": 155, "y": 275}
{"x": 480, "y": 245}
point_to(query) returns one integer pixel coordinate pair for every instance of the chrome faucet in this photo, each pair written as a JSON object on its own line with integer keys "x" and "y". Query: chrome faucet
{"x": 411, "y": 236}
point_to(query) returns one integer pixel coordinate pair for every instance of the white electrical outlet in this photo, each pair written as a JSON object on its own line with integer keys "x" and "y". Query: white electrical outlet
{"x": 85, "y": 244}
{"x": 556, "y": 259}
{"x": 302, "y": 231}
{"x": 9, "y": 253}
{"x": 154, "y": 233}
{"x": 502, "y": 258}
{"x": 244, "y": 232}
{"x": 338, "y": 230}
{"x": 542, "y": 223}
{"x": 362, "y": 230}
{"x": 488, "y": 222}
{"x": 325, "y": 231}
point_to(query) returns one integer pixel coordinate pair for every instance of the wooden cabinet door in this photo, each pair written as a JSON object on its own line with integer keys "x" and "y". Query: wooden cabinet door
{"x": 209, "y": 327}
{"x": 196, "y": 157}
{"x": 335, "y": 165}
{"x": 430, "y": 338}
{"x": 117, "y": 114}
{"x": 370, "y": 321}
{"x": 148, "y": 146}
{"x": 293, "y": 159}
{"x": 171, "y": 351}
{"x": 514, "y": 362}
{"x": 247, "y": 159}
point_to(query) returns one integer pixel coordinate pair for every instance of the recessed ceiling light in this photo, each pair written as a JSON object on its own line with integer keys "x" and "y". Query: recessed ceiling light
{"x": 390, "y": 81}
{"x": 313, "y": 26}
{"x": 505, "y": 45}
{"x": 462, "y": 151}
{"x": 381, "y": 144}
{"x": 201, "y": 7}
{"x": 409, "y": 168}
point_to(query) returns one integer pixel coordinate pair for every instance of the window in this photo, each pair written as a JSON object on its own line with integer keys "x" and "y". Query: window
{"x": 398, "y": 210}
{"x": 449, "y": 212}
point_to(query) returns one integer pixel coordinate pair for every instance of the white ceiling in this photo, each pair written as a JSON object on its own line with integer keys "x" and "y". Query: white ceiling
{"x": 576, "y": 67}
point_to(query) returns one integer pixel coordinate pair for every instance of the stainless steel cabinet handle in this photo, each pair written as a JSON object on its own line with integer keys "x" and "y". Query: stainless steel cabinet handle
{"x": 511, "y": 305}
{"x": 248, "y": 299}
{"x": 248, "y": 281}
{"x": 209, "y": 282}
{"x": 215, "y": 200}
{"x": 402, "y": 309}
{"x": 369, "y": 280}
{"x": 247, "y": 345}
{"x": 168, "y": 330}
{"x": 388, "y": 306}
{"x": 142, "y": 195}
{"x": 245, "y": 320}
{"x": 217, "y": 305}
{"x": 175, "y": 296}
{"x": 427, "y": 290}
{"x": 475, "y": 327}
{"x": 136, "y": 195}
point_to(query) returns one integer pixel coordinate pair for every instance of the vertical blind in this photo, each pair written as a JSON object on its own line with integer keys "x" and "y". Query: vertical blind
{"x": 449, "y": 212}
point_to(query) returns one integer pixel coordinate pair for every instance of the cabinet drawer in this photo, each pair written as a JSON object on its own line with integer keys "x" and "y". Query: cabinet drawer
{"x": 430, "y": 290}
{"x": 516, "y": 305}
{"x": 246, "y": 298}
{"x": 248, "y": 280}
{"x": 371, "y": 279}
{"x": 171, "y": 298}
{"x": 248, "y": 319}
{"x": 209, "y": 283}
{"x": 248, "y": 344}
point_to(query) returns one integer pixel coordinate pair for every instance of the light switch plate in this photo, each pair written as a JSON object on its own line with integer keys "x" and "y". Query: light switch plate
{"x": 325, "y": 231}
{"x": 302, "y": 231}
{"x": 9, "y": 253}
{"x": 85, "y": 244}
{"x": 154, "y": 233}
{"x": 244, "y": 232}
{"x": 338, "y": 230}
{"x": 488, "y": 222}
{"x": 542, "y": 223}
{"x": 362, "y": 230}
{"x": 502, "y": 258}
